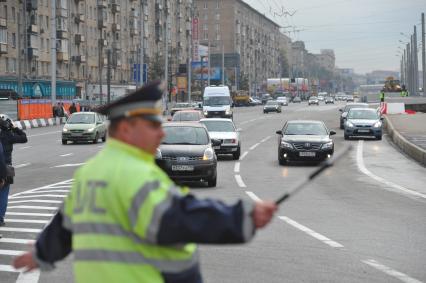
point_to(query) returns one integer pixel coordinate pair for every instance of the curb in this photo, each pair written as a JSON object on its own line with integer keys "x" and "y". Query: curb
{"x": 414, "y": 151}
{"x": 37, "y": 123}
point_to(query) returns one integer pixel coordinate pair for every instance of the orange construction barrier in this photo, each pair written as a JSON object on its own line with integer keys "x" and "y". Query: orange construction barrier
{"x": 29, "y": 109}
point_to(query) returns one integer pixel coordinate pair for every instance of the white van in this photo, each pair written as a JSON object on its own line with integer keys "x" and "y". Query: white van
{"x": 217, "y": 102}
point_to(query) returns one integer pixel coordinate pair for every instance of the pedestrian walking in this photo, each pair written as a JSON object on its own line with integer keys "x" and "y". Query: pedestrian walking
{"x": 127, "y": 220}
{"x": 3, "y": 172}
{"x": 72, "y": 108}
{"x": 9, "y": 135}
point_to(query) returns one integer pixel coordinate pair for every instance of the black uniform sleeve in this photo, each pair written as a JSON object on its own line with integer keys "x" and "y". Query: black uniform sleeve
{"x": 188, "y": 219}
{"x": 19, "y": 136}
{"x": 53, "y": 244}
{"x": 3, "y": 172}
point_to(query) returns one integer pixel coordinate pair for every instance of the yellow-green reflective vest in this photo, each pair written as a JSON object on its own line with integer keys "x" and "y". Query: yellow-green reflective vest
{"x": 114, "y": 211}
{"x": 382, "y": 95}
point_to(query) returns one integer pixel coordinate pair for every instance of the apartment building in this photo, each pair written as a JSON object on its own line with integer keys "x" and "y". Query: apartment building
{"x": 87, "y": 33}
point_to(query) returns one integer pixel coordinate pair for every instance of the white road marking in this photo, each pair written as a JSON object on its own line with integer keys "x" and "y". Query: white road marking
{"x": 243, "y": 155}
{"x": 24, "y": 230}
{"x": 68, "y": 165}
{"x": 33, "y": 207}
{"x": 46, "y": 191}
{"x": 253, "y": 196}
{"x": 237, "y": 167}
{"x": 240, "y": 181}
{"x": 311, "y": 232}
{"x": 10, "y": 252}
{"x": 389, "y": 271}
{"x": 67, "y": 154}
{"x": 16, "y": 241}
{"x": 7, "y": 268}
{"x": 26, "y": 221}
{"x": 36, "y": 200}
{"x": 29, "y": 277}
{"x": 265, "y": 139}
{"x": 48, "y": 133}
{"x": 363, "y": 169}
{"x": 37, "y": 196}
{"x": 25, "y": 147}
{"x": 254, "y": 146}
{"x": 29, "y": 214}
{"x": 22, "y": 165}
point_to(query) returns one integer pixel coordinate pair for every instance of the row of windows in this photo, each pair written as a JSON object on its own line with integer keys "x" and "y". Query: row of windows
{"x": 216, "y": 16}
{"x": 205, "y": 6}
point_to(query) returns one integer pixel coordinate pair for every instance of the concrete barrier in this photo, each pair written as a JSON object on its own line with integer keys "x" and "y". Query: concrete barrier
{"x": 406, "y": 146}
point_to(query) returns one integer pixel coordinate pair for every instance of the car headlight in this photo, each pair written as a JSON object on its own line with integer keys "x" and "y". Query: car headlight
{"x": 228, "y": 111}
{"x": 378, "y": 124}
{"x": 344, "y": 114}
{"x": 286, "y": 144}
{"x": 90, "y": 130}
{"x": 205, "y": 112}
{"x": 65, "y": 130}
{"x": 328, "y": 145}
{"x": 208, "y": 154}
{"x": 158, "y": 154}
{"x": 349, "y": 124}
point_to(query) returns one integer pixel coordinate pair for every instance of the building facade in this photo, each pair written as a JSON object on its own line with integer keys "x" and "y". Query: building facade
{"x": 87, "y": 34}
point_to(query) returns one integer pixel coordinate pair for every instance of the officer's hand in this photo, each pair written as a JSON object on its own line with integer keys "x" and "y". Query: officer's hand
{"x": 2, "y": 183}
{"x": 263, "y": 212}
{"x": 26, "y": 261}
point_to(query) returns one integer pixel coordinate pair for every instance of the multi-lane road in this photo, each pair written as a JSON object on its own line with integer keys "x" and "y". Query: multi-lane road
{"x": 361, "y": 221}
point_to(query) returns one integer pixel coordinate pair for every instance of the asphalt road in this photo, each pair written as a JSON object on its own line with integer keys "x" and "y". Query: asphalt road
{"x": 361, "y": 221}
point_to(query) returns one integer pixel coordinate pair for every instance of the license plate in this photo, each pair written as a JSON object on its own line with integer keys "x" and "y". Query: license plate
{"x": 363, "y": 131}
{"x": 216, "y": 147}
{"x": 182, "y": 168}
{"x": 307, "y": 154}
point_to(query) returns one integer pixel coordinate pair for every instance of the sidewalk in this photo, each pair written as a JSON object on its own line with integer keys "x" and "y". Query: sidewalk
{"x": 408, "y": 132}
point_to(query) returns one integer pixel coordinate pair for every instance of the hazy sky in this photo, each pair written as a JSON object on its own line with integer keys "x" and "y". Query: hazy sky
{"x": 364, "y": 34}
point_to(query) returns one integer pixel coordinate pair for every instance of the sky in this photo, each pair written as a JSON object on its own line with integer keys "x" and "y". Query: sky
{"x": 364, "y": 34}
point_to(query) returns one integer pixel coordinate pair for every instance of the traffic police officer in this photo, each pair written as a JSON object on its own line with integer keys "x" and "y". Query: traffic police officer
{"x": 126, "y": 220}
{"x": 382, "y": 96}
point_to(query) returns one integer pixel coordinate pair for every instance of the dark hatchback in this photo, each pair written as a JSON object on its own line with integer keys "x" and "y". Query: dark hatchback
{"x": 186, "y": 153}
{"x": 301, "y": 140}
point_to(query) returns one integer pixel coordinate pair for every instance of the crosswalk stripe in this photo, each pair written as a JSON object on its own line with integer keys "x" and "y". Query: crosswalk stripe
{"x": 24, "y": 230}
{"x": 38, "y": 196}
{"x": 36, "y": 200}
{"x": 10, "y": 252}
{"x": 29, "y": 214}
{"x": 46, "y": 191}
{"x": 33, "y": 207}
{"x": 8, "y": 268}
{"x": 16, "y": 241}
{"x": 26, "y": 221}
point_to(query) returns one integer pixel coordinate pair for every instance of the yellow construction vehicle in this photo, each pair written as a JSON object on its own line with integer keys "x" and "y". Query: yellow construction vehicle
{"x": 392, "y": 85}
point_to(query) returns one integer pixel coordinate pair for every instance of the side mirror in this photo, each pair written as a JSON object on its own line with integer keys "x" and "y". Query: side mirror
{"x": 341, "y": 110}
{"x": 382, "y": 118}
{"x": 332, "y": 133}
{"x": 216, "y": 142}
{"x": 98, "y": 122}
{"x": 239, "y": 130}
{"x": 169, "y": 119}
{"x": 279, "y": 132}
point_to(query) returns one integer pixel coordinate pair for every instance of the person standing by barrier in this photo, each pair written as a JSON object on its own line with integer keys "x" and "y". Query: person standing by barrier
{"x": 9, "y": 135}
{"x": 126, "y": 221}
{"x": 72, "y": 108}
{"x": 382, "y": 96}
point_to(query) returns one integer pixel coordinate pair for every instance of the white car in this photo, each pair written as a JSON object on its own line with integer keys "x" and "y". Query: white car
{"x": 282, "y": 100}
{"x": 224, "y": 130}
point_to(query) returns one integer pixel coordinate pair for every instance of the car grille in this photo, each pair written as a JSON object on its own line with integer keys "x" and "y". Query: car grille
{"x": 76, "y": 131}
{"x": 363, "y": 126}
{"x": 216, "y": 112}
{"x": 307, "y": 146}
{"x": 175, "y": 158}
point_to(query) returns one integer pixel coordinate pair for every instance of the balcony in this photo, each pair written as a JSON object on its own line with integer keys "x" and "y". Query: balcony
{"x": 79, "y": 59}
{"x": 33, "y": 52}
{"x": 116, "y": 27}
{"x": 115, "y": 6}
{"x": 79, "y": 18}
{"x": 61, "y": 12}
{"x": 32, "y": 5}
{"x": 61, "y": 34}
{"x": 3, "y": 48}
{"x": 3, "y": 23}
{"x": 102, "y": 23}
{"x": 133, "y": 31}
{"x": 62, "y": 56}
{"x": 116, "y": 45}
{"x": 102, "y": 4}
{"x": 33, "y": 29}
{"x": 103, "y": 43}
{"x": 118, "y": 63}
{"x": 79, "y": 38}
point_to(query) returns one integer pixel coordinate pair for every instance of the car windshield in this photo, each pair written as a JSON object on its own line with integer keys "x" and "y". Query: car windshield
{"x": 186, "y": 116}
{"x": 363, "y": 114}
{"x": 348, "y": 107}
{"x": 219, "y": 126}
{"x": 82, "y": 119}
{"x": 182, "y": 105}
{"x": 281, "y": 98}
{"x": 216, "y": 101}
{"x": 185, "y": 135}
{"x": 272, "y": 103}
{"x": 312, "y": 98}
{"x": 305, "y": 129}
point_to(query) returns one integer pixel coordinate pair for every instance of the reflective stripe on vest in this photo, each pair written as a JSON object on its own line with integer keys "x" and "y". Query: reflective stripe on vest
{"x": 167, "y": 266}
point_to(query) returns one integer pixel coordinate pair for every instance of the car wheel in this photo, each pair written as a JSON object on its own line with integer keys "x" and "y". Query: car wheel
{"x": 379, "y": 137}
{"x": 104, "y": 138}
{"x": 96, "y": 138}
{"x": 236, "y": 155}
{"x": 212, "y": 182}
{"x": 346, "y": 136}
{"x": 64, "y": 142}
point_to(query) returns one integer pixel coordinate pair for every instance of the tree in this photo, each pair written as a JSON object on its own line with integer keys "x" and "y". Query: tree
{"x": 244, "y": 81}
{"x": 284, "y": 66}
